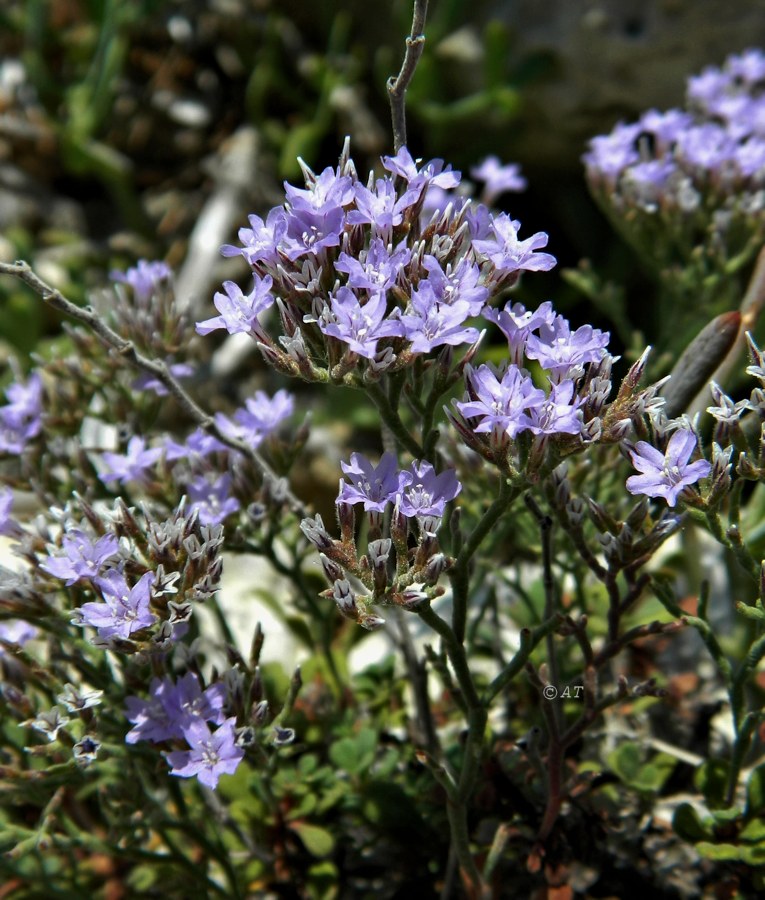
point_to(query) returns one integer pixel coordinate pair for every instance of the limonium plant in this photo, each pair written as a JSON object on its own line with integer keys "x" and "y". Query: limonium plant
{"x": 508, "y": 534}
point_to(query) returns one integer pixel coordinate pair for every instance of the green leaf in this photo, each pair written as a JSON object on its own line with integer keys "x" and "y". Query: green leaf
{"x": 626, "y": 761}
{"x": 754, "y": 832}
{"x": 354, "y": 754}
{"x": 755, "y": 792}
{"x": 719, "y": 851}
{"x": 711, "y": 779}
{"x": 318, "y": 841}
{"x": 689, "y": 825}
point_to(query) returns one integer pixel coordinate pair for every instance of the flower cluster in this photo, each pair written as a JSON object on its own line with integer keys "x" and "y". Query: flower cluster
{"x": 686, "y": 187}
{"x": 503, "y": 403}
{"x": 360, "y": 279}
{"x": 182, "y": 711}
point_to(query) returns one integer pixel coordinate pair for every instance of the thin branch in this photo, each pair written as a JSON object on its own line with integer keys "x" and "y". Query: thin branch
{"x": 126, "y": 349}
{"x": 397, "y": 86}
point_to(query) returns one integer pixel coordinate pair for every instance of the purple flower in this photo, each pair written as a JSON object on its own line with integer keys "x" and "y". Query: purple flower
{"x": 517, "y": 323}
{"x": 458, "y": 284}
{"x": 377, "y": 268}
{"x": 7, "y": 524}
{"x": 132, "y": 465}
{"x": 358, "y": 326}
{"x": 125, "y": 610}
{"x": 238, "y": 312}
{"x": 425, "y": 494}
{"x": 557, "y": 414}
{"x": 664, "y": 127}
{"x": 212, "y": 499}
{"x": 310, "y": 231}
{"x": 508, "y": 254}
{"x": 705, "y": 147}
{"x": 610, "y": 154}
{"x": 498, "y": 178}
{"x": 21, "y": 417}
{"x": 199, "y": 443}
{"x": 171, "y": 708}
{"x": 432, "y": 173}
{"x": 16, "y": 631}
{"x": 374, "y": 486}
{"x": 145, "y": 277}
{"x": 261, "y": 240}
{"x": 380, "y": 208}
{"x": 212, "y": 754}
{"x": 560, "y": 350}
{"x": 429, "y": 324}
{"x": 666, "y": 474}
{"x": 81, "y": 556}
{"x": 261, "y": 416}
{"x": 327, "y": 191}
{"x": 502, "y": 406}
{"x": 147, "y": 382}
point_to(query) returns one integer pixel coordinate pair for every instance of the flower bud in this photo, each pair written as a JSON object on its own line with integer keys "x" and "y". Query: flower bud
{"x": 332, "y": 570}
{"x": 345, "y": 599}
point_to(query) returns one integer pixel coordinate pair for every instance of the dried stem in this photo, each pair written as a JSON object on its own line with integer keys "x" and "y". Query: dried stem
{"x": 397, "y": 86}
{"x": 126, "y": 349}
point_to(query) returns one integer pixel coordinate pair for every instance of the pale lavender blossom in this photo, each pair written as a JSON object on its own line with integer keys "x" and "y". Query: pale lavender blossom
{"x": 7, "y": 524}
{"x": 429, "y": 324}
{"x": 381, "y": 208}
{"x": 376, "y": 269}
{"x": 148, "y": 382}
{"x": 198, "y": 444}
{"x": 239, "y": 311}
{"x": 21, "y": 417}
{"x": 311, "y": 231}
{"x": 558, "y": 414}
{"x": 132, "y": 465}
{"x": 432, "y": 173}
{"x": 359, "y": 326}
{"x": 212, "y": 499}
{"x": 498, "y": 178}
{"x": 517, "y": 323}
{"x": 325, "y": 192}
{"x": 502, "y": 406}
{"x": 260, "y": 417}
{"x": 425, "y": 494}
{"x": 124, "y": 610}
{"x": 374, "y": 486}
{"x": 610, "y": 154}
{"x": 150, "y": 717}
{"x": 508, "y": 254}
{"x": 261, "y": 240}
{"x": 16, "y": 631}
{"x": 80, "y": 556}
{"x": 561, "y": 350}
{"x": 212, "y": 754}
{"x": 666, "y": 474}
{"x": 145, "y": 278}
{"x": 77, "y": 698}
{"x": 456, "y": 283}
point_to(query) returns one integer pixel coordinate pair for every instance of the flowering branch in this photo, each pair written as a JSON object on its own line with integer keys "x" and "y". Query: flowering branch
{"x": 397, "y": 86}
{"x": 126, "y": 349}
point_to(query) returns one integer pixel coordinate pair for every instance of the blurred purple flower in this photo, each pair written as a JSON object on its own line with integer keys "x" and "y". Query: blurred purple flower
{"x": 666, "y": 474}
{"x": 16, "y": 631}
{"x": 261, "y": 416}
{"x": 21, "y": 417}
{"x": 147, "y": 382}
{"x": 198, "y": 443}
{"x": 498, "y": 178}
{"x": 145, "y": 277}
{"x": 132, "y": 465}
{"x": 81, "y": 556}
{"x": 212, "y": 499}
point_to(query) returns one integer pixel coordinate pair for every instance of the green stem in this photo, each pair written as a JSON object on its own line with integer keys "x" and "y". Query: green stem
{"x": 390, "y": 416}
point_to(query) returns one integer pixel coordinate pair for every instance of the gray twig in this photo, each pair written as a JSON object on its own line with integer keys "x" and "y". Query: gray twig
{"x": 397, "y": 86}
